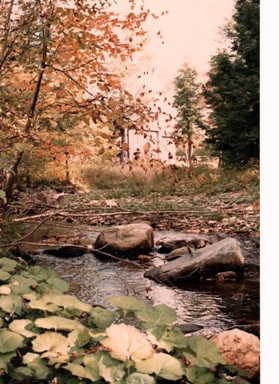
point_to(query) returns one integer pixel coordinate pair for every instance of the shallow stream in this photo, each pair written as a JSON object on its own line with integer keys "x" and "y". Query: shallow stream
{"x": 214, "y": 306}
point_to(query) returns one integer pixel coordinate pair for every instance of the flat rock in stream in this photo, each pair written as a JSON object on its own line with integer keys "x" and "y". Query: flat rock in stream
{"x": 222, "y": 256}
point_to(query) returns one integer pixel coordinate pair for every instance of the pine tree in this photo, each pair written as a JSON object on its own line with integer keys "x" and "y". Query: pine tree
{"x": 232, "y": 90}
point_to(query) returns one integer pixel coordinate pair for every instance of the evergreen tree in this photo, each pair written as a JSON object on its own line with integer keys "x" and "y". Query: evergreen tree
{"x": 187, "y": 101}
{"x": 232, "y": 90}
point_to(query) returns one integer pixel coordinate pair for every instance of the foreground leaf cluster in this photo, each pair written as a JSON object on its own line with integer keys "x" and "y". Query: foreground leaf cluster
{"x": 47, "y": 336}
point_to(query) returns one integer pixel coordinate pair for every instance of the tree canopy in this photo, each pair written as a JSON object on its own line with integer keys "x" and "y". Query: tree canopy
{"x": 232, "y": 89}
{"x": 55, "y": 77}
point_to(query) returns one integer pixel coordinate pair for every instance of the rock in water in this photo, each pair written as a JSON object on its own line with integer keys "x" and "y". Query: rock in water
{"x": 67, "y": 251}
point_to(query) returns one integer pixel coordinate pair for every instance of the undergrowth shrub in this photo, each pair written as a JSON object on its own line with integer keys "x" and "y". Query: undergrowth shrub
{"x": 143, "y": 180}
{"x": 49, "y": 336}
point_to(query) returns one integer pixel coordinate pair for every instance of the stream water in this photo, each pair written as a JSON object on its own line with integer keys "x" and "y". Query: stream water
{"x": 214, "y": 306}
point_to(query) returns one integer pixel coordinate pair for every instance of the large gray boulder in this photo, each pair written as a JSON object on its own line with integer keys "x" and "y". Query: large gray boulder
{"x": 222, "y": 256}
{"x": 128, "y": 240}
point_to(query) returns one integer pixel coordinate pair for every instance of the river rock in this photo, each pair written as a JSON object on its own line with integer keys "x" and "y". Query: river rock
{"x": 240, "y": 349}
{"x": 128, "y": 240}
{"x": 173, "y": 245}
{"x": 222, "y": 256}
{"x": 67, "y": 251}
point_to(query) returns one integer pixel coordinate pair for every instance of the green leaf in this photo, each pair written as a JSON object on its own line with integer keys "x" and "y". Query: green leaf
{"x": 79, "y": 371}
{"x": 91, "y": 363}
{"x": 56, "y": 323}
{"x": 43, "y": 306}
{"x": 111, "y": 370}
{"x": 8, "y": 265}
{"x": 158, "y": 315}
{"x": 127, "y": 343}
{"x": 79, "y": 336}
{"x": 101, "y": 317}
{"x": 58, "y": 284}
{"x": 206, "y": 353}
{"x": 21, "y": 280}
{"x": 4, "y": 276}
{"x": 202, "y": 375}
{"x": 10, "y": 341}
{"x": 20, "y": 326}
{"x": 163, "y": 365}
{"x": 166, "y": 337}
{"x": 68, "y": 301}
{"x": 11, "y": 303}
{"x": 5, "y": 359}
{"x": 140, "y": 378}
{"x": 127, "y": 304}
{"x": 39, "y": 273}
{"x": 37, "y": 365}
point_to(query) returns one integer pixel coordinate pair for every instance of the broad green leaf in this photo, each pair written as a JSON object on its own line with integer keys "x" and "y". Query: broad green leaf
{"x": 111, "y": 370}
{"x": 38, "y": 366}
{"x": 8, "y": 265}
{"x": 68, "y": 301}
{"x": 51, "y": 341}
{"x": 10, "y": 341}
{"x": 21, "y": 280}
{"x": 140, "y": 378}
{"x": 43, "y": 306}
{"x": 101, "y": 317}
{"x": 39, "y": 273}
{"x": 30, "y": 296}
{"x": 79, "y": 371}
{"x": 11, "y": 303}
{"x": 91, "y": 363}
{"x": 166, "y": 337}
{"x": 158, "y": 315}
{"x": 5, "y": 358}
{"x": 56, "y": 323}
{"x": 4, "y": 276}
{"x": 206, "y": 353}
{"x": 21, "y": 289}
{"x": 79, "y": 336}
{"x": 20, "y": 326}
{"x": 163, "y": 365}
{"x": 58, "y": 284}
{"x": 201, "y": 375}
{"x": 127, "y": 303}
{"x": 127, "y": 343}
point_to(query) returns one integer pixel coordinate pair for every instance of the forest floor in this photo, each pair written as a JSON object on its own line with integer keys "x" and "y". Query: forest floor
{"x": 230, "y": 213}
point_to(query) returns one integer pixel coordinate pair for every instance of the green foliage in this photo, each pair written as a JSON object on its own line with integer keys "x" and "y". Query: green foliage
{"x": 49, "y": 336}
{"x": 187, "y": 100}
{"x": 232, "y": 90}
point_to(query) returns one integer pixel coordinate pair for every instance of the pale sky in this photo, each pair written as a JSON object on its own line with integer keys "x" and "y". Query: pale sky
{"x": 190, "y": 33}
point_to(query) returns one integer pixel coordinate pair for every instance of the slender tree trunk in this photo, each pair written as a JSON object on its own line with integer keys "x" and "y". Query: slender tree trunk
{"x": 189, "y": 137}
{"x": 11, "y": 176}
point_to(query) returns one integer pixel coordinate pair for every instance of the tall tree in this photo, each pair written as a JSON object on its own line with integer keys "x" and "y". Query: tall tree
{"x": 232, "y": 89}
{"x": 54, "y": 75}
{"x": 187, "y": 101}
